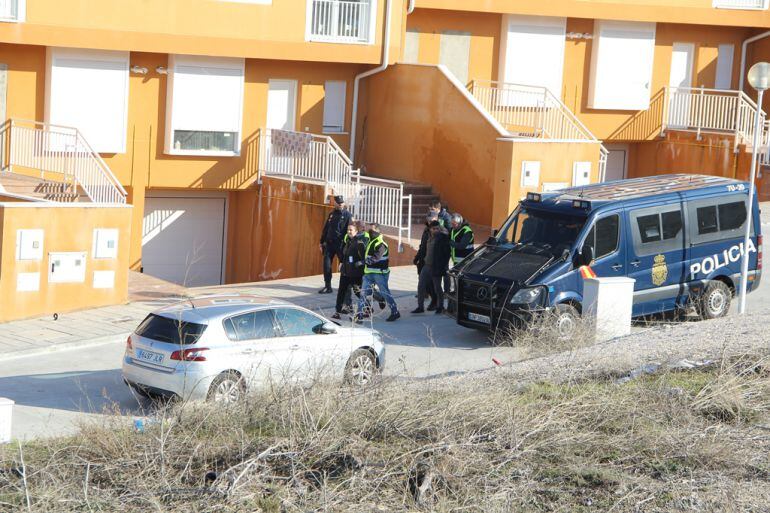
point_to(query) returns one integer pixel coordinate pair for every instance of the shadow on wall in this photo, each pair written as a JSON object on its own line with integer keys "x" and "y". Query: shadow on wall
{"x": 645, "y": 124}
{"x": 222, "y": 175}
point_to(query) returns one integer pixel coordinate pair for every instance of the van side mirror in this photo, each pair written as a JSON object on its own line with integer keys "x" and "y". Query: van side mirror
{"x": 586, "y": 255}
{"x": 495, "y": 232}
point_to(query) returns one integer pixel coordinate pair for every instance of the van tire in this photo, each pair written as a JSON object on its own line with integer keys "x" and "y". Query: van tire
{"x": 715, "y": 300}
{"x": 566, "y": 322}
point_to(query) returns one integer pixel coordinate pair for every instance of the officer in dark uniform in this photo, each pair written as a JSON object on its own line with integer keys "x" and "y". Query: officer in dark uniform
{"x": 332, "y": 237}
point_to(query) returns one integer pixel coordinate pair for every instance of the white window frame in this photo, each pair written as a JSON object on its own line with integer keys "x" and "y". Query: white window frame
{"x": 210, "y": 62}
{"x": 336, "y": 129}
{"x": 727, "y": 4}
{"x": 54, "y": 53}
{"x": 333, "y": 39}
{"x": 21, "y": 13}
{"x": 257, "y": 2}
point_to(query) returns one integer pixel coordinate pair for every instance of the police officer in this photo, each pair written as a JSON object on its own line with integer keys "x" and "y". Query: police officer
{"x": 460, "y": 239}
{"x": 377, "y": 272}
{"x": 332, "y": 237}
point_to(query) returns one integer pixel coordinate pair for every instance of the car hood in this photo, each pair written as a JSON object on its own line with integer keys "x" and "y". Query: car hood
{"x": 517, "y": 263}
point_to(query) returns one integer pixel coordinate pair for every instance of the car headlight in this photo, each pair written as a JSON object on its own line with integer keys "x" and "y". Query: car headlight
{"x": 527, "y": 296}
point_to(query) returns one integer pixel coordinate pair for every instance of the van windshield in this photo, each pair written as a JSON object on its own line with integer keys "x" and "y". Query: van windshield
{"x": 547, "y": 230}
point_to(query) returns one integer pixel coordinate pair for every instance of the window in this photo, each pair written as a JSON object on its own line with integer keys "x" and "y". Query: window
{"x": 707, "y": 220}
{"x": 204, "y": 105}
{"x": 532, "y": 52}
{"x": 649, "y": 228}
{"x": 724, "y": 74}
{"x": 731, "y": 215}
{"x": 250, "y": 326}
{"x": 340, "y": 21}
{"x": 172, "y": 331}
{"x": 88, "y": 90}
{"x": 297, "y": 323}
{"x": 621, "y": 65}
{"x": 334, "y": 106}
{"x": 672, "y": 224}
{"x": 604, "y": 236}
{"x": 13, "y": 10}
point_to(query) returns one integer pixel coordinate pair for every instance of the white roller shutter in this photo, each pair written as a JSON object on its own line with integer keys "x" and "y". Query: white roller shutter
{"x": 532, "y": 51}
{"x": 621, "y": 65}
{"x": 88, "y": 90}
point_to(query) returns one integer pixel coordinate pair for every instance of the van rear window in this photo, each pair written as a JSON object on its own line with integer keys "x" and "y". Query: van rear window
{"x": 172, "y": 331}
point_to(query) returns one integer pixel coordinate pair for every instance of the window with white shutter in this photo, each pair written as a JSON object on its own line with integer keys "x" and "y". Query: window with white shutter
{"x": 204, "y": 107}
{"x": 334, "y": 106}
{"x": 88, "y": 90}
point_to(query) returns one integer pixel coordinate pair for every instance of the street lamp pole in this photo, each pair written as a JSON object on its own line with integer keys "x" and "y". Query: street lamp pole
{"x": 759, "y": 78}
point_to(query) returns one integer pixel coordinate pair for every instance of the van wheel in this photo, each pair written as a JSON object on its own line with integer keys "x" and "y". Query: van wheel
{"x": 227, "y": 388}
{"x": 566, "y": 322}
{"x": 715, "y": 300}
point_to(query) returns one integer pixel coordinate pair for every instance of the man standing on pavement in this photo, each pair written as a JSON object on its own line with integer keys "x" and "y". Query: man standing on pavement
{"x": 419, "y": 258}
{"x": 437, "y": 254}
{"x": 460, "y": 238}
{"x": 352, "y": 268}
{"x": 376, "y": 272}
{"x": 332, "y": 237}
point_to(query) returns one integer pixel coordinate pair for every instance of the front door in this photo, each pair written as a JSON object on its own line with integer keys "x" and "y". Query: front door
{"x": 681, "y": 77}
{"x": 617, "y": 162}
{"x": 282, "y": 104}
{"x": 656, "y": 257}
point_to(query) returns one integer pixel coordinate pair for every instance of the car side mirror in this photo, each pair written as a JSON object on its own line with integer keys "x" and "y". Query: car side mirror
{"x": 586, "y": 254}
{"x": 327, "y": 328}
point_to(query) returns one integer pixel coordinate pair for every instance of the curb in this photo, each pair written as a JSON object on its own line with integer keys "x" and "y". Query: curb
{"x": 65, "y": 346}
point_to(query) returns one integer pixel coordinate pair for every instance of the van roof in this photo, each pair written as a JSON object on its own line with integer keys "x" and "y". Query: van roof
{"x": 641, "y": 187}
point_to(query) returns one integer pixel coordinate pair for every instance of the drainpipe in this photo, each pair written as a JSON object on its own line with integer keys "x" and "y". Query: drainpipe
{"x": 373, "y": 71}
{"x": 410, "y": 9}
{"x": 745, "y": 47}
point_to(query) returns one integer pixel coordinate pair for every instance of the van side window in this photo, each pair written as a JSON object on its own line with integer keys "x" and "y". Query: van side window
{"x": 606, "y": 236}
{"x": 707, "y": 220}
{"x": 732, "y": 215}
{"x": 657, "y": 229}
{"x": 717, "y": 218}
{"x": 649, "y": 228}
{"x": 672, "y": 224}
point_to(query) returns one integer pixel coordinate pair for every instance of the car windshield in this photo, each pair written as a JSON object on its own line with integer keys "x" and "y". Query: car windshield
{"x": 548, "y": 230}
{"x": 173, "y": 331}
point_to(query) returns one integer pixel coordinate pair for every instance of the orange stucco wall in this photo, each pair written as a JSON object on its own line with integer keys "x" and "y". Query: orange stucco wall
{"x": 674, "y": 11}
{"x": 59, "y": 235}
{"x": 193, "y": 27}
{"x": 759, "y": 51}
{"x": 485, "y": 29}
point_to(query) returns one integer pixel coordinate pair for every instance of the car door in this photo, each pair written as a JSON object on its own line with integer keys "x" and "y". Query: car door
{"x": 657, "y": 254}
{"x": 313, "y": 354}
{"x": 257, "y": 346}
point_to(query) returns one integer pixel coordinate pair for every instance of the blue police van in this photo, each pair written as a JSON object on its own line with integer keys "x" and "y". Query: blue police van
{"x": 679, "y": 236}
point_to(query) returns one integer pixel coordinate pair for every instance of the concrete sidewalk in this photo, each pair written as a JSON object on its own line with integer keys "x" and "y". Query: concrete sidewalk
{"x": 114, "y": 323}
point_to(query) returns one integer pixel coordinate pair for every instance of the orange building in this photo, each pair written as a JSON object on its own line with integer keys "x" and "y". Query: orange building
{"x": 227, "y": 123}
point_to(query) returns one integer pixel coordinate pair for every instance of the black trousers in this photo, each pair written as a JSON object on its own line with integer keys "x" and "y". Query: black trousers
{"x": 426, "y": 280}
{"x": 347, "y": 284}
{"x": 329, "y": 255}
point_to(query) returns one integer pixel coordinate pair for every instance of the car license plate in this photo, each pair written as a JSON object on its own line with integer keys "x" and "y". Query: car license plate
{"x": 479, "y": 318}
{"x": 149, "y": 356}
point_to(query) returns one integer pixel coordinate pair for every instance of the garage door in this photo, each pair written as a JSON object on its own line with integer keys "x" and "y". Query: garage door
{"x": 183, "y": 239}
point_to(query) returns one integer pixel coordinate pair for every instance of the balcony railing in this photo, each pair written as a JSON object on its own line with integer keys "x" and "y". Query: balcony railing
{"x": 711, "y": 110}
{"x": 740, "y": 4}
{"x": 340, "y": 21}
{"x": 11, "y": 10}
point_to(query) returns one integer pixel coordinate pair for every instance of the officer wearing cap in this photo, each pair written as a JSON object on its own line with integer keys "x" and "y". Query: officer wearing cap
{"x": 332, "y": 238}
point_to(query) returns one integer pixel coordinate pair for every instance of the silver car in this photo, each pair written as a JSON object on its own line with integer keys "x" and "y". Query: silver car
{"x": 217, "y": 347}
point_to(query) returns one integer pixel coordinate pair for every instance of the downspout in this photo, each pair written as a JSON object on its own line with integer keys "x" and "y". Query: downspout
{"x": 373, "y": 71}
{"x": 745, "y": 47}
{"x": 410, "y": 9}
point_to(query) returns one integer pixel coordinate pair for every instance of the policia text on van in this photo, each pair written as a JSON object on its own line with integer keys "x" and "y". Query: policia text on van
{"x": 679, "y": 236}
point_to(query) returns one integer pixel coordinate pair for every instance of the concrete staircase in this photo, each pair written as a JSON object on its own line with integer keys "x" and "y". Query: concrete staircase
{"x": 422, "y": 196}
{"x": 37, "y": 188}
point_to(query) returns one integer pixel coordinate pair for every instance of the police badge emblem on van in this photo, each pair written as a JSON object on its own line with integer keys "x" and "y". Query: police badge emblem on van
{"x": 659, "y": 270}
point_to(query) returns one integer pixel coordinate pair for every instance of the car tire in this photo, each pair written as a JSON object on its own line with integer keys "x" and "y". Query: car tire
{"x": 566, "y": 322}
{"x": 227, "y": 388}
{"x": 140, "y": 391}
{"x": 715, "y": 300}
{"x": 361, "y": 368}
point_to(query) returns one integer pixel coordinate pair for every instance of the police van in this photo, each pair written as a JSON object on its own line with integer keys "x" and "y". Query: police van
{"x": 679, "y": 236}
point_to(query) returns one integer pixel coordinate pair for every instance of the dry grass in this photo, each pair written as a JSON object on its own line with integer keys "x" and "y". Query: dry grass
{"x": 696, "y": 440}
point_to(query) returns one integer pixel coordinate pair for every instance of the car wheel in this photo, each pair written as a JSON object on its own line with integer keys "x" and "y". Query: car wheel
{"x": 361, "y": 368}
{"x": 566, "y": 322}
{"x": 227, "y": 388}
{"x": 715, "y": 301}
{"x": 140, "y": 391}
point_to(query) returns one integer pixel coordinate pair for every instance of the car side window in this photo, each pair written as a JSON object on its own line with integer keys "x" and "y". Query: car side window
{"x": 250, "y": 326}
{"x": 297, "y": 323}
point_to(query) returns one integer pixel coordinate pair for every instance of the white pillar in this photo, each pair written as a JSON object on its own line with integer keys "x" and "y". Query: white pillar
{"x": 607, "y": 304}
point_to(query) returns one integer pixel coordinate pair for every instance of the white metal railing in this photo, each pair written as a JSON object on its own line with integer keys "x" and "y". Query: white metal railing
{"x": 317, "y": 158}
{"x": 532, "y": 111}
{"x": 9, "y": 10}
{"x": 740, "y": 4}
{"x": 711, "y": 110}
{"x": 339, "y": 20}
{"x": 764, "y": 156}
{"x": 63, "y": 152}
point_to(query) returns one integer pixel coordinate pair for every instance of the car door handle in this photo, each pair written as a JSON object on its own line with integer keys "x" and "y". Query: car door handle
{"x": 635, "y": 263}
{"x": 295, "y": 346}
{"x": 248, "y": 351}
{"x": 617, "y": 267}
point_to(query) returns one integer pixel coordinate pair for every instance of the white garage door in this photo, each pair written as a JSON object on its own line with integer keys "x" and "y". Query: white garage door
{"x": 183, "y": 239}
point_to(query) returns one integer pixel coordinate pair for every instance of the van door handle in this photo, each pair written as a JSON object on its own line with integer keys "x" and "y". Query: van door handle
{"x": 617, "y": 267}
{"x": 635, "y": 263}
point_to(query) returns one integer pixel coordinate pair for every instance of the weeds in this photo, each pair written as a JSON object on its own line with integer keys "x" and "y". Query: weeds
{"x": 676, "y": 441}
